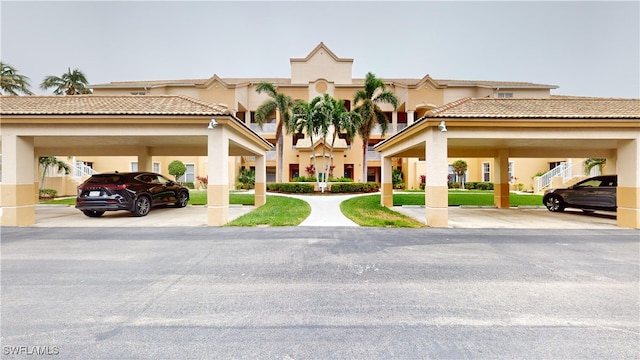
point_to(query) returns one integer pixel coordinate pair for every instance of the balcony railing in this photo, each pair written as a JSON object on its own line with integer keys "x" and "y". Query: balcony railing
{"x": 373, "y": 155}
{"x": 266, "y": 128}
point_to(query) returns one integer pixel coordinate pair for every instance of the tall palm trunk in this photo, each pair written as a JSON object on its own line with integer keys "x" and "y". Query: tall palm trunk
{"x": 365, "y": 148}
{"x": 280, "y": 151}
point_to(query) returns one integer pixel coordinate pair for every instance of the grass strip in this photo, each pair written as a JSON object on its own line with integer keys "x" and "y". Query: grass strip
{"x": 278, "y": 211}
{"x": 367, "y": 211}
{"x": 469, "y": 199}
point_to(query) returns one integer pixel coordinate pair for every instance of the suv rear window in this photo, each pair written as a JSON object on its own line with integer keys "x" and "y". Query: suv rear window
{"x": 105, "y": 179}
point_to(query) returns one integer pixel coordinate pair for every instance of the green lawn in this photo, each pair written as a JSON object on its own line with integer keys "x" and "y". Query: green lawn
{"x": 367, "y": 211}
{"x": 475, "y": 198}
{"x": 278, "y": 211}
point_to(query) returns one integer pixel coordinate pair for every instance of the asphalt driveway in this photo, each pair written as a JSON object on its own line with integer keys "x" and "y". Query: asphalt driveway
{"x": 327, "y": 213}
{"x": 319, "y": 293}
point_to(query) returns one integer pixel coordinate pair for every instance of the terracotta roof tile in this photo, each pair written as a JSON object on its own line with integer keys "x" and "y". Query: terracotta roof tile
{"x": 107, "y": 105}
{"x": 551, "y": 108}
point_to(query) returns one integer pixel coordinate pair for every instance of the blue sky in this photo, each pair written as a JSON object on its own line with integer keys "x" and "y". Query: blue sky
{"x": 587, "y": 48}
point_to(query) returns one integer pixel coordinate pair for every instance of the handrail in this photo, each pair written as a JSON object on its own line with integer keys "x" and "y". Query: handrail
{"x": 80, "y": 170}
{"x": 567, "y": 173}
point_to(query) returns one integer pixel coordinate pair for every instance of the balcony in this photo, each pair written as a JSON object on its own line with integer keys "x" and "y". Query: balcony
{"x": 269, "y": 128}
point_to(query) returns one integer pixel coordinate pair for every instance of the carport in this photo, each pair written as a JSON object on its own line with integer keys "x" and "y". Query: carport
{"x": 525, "y": 128}
{"x": 142, "y": 126}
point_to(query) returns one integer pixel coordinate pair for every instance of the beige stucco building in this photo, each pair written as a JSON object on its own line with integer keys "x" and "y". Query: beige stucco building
{"x": 507, "y": 132}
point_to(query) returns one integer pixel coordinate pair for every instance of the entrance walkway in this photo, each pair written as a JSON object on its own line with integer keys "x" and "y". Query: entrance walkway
{"x": 325, "y": 209}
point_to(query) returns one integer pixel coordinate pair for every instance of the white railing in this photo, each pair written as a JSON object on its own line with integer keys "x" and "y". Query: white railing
{"x": 80, "y": 170}
{"x": 266, "y": 128}
{"x": 566, "y": 172}
{"x": 373, "y": 155}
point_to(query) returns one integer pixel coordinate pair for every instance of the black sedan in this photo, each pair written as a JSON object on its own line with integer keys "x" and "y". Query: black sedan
{"x": 136, "y": 192}
{"x": 595, "y": 193}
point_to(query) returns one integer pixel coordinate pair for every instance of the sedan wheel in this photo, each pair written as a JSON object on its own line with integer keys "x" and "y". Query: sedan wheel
{"x": 142, "y": 206}
{"x": 554, "y": 203}
{"x": 92, "y": 213}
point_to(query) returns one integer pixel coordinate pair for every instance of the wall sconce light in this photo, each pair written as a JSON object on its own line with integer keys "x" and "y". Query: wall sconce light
{"x": 212, "y": 124}
{"x": 442, "y": 126}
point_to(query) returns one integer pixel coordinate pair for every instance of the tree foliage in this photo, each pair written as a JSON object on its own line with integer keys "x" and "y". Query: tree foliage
{"x": 12, "y": 82}
{"x": 284, "y": 105}
{"x": 73, "y": 82}
{"x": 460, "y": 167}
{"x": 51, "y": 162}
{"x": 367, "y": 103}
{"x": 177, "y": 168}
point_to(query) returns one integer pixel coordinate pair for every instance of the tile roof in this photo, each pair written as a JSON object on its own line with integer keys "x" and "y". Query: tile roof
{"x": 108, "y": 105}
{"x": 355, "y": 81}
{"x": 551, "y": 108}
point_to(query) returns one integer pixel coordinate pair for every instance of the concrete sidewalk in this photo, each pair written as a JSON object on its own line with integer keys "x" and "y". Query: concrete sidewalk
{"x": 325, "y": 209}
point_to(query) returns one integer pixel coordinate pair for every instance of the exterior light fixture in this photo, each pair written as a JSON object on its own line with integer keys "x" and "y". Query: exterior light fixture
{"x": 212, "y": 124}
{"x": 442, "y": 126}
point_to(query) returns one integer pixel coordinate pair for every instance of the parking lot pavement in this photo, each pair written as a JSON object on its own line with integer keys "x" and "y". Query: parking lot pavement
{"x": 517, "y": 218}
{"x": 69, "y": 216}
{"x": 459, "y": 217}
{"x": 320, "y": 293}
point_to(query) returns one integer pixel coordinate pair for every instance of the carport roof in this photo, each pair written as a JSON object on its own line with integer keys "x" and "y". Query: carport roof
{"x": 108, "y": 105}
{"x": 550, "y": 108}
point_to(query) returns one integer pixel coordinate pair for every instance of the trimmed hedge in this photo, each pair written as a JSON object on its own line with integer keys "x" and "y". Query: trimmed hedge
{"x": 471, "y": 185}
{"x": 355, "y": 187}
{"x": 296, "y": 188}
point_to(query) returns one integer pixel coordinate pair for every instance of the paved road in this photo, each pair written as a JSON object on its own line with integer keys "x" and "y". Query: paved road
{"x": 320, "y": 293}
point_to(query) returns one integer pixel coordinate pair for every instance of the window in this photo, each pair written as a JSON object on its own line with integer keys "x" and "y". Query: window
{"x": 511, "y": 177}
{"x": 504, "y": 95}
{"x": 189, "y": 175}
{"x": 486, "y": 171}
{"x": 156, "y": 167}
{"x": 138, "y": 93}
{"x": 133, "y": 166}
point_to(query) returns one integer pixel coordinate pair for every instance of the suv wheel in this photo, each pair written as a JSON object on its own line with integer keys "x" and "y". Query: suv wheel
{"x": 142, "y": 206}
{"x": 554, "y": 203}
{"x": 182, "y": 200}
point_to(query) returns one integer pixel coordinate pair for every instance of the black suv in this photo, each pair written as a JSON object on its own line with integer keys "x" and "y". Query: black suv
{"x": 137, "y": 192}
{"x": 596, "y": 193}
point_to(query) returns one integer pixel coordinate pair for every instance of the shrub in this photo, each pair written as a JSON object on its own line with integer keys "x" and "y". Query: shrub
{"x": 48, "y": 193}
{"x": 484, "y": 186}
{"x": 342, "y": 179}
{"x": 246, "y": 179}
{"x": 190, "y": 185}
{"x": 304, "y": 179}
{"x": 355, "y": 187}
{"x": 177, "y": 168}
{"x": 471, "y": 185}
{"x": 296, "y": 188}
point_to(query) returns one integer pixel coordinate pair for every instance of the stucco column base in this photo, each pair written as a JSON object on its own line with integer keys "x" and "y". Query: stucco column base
{"x": 437, "y": 206}
{"x": 501, "y": 195}
{"x": 18, "y": 204}
{"x": 386, "y": 197}
{"x": 218, "y": 205}
{"x": 628, "y": 214}
{"x": 260, "y": 197}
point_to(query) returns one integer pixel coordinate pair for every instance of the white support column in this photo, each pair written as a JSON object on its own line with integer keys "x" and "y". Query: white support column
{"x": 19, "y": 186}
{"x": 410, "y": 117}
{"x": 501, "y": 179}
{"x": 260, "y": 197}
{"x": 394, "y": 122}
{"x": 436, "y": 189}
{"x": 218, "y": 172}
{"x": 386, "y": 169}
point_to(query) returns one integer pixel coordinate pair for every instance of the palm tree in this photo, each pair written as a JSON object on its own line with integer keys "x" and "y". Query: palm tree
{"x": 283, "y": 104}
{"x": 73, "y": 82}
{"x": 366, "y": 101}
{"x": 591, "y": 163}
{"x": 343, "y": 122}
{"x": 52, "y": 162}
{"x": 311, "y": 119}
{"x": 11, "y": 82}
